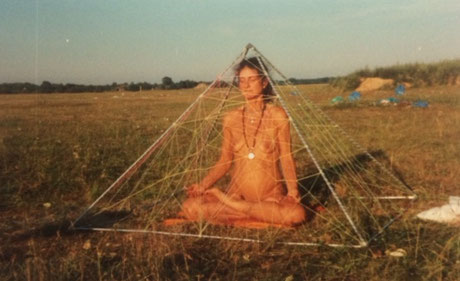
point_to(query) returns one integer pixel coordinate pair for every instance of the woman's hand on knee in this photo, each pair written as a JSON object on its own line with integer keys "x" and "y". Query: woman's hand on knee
{"x": 195, "y": 190}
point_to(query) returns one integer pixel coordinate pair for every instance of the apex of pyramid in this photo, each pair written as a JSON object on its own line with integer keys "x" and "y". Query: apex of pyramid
{"x": 249, "y": 46}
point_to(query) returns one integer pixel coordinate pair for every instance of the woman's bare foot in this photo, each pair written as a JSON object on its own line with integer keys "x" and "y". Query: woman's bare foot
{"x": 238, "y": 205}
{"x": 216, "y": 193}
{"x": 286, "y": 212}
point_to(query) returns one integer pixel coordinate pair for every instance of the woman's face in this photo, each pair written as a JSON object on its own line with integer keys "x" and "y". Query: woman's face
{"x": 251, "y": 83}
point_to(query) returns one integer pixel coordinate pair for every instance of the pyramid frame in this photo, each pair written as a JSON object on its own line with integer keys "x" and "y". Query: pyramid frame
{"x": 157, "y": 143}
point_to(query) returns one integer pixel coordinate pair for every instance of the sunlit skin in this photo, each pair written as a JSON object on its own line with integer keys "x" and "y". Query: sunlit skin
{"x": 256, "y": 191}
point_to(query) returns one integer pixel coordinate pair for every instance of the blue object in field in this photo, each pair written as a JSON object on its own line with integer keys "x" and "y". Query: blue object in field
{"x": 337, "y": 99}
{"x": 400, "y": 90}
{"x": 354, "y": 96}
{"x": 420, "y": 103}
{"x": 393, "y": 100}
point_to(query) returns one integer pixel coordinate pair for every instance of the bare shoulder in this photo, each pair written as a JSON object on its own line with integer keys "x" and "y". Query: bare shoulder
{"x": 277, "y": 113}
{"x": 232, "y": 116}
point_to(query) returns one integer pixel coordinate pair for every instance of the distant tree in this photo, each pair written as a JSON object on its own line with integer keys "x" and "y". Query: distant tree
{"x": 46, "y": 87}
{"x": 293, "y": 81}
{"x": 98, "y": 89}
{"x": 190, "y": 84}
{"x": 146, "y": 86}
{"x": 133, "y": 87}
{"x": 29, "y": 88}
{"x": 181, "y": 85}
{"x": 59, "y": 88}
{"x": 73, "y": 88}
{"x": 167, "y": 83}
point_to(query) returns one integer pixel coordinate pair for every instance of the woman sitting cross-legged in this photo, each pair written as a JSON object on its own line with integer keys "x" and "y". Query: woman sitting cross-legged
{"x": 256, "y": 150}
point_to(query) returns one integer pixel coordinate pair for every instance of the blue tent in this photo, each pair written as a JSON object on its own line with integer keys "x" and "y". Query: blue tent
{"x": 400, "y": 90}
{"x": 420, "y": 103}
{"x": 354, "y": 96}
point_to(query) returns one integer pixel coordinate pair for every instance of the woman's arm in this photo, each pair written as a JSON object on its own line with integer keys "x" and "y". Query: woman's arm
{"x": 222, "y": 165}
{"x": 286, "y": 159}
{"x": 225, "y": 161}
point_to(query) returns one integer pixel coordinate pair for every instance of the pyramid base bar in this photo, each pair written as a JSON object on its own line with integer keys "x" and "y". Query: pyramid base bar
{"x": 361, "y": 245}
{"x": 411, "y": 197}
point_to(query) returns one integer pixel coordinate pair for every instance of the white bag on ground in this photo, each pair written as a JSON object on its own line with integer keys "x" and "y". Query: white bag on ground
{"x": 449, "y": 213}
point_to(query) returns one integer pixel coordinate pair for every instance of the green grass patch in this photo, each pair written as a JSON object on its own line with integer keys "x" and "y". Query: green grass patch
{"x": 67, "y": 149}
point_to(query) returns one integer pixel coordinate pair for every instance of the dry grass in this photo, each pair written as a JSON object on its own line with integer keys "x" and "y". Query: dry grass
{"x": 64, "y": 149}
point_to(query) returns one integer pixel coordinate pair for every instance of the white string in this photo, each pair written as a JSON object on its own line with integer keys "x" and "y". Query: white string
{"x": 198, "y": 124}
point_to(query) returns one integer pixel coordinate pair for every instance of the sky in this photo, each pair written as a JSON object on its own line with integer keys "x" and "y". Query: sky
{"x": 105, "y": 41}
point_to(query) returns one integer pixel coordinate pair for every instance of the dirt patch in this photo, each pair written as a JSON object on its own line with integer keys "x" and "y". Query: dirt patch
{"x": 453, "y": 80}
{"x": 201, "y": 86}
{"x": 456, "y": 81}
{"x": 407, "y": 85}
{"x": 373, "y": 83}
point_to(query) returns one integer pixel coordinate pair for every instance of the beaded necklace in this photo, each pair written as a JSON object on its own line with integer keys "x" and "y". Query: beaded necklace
{"x": 251, "y": 154}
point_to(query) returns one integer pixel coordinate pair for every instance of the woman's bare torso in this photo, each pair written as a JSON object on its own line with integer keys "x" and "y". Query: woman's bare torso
{"x": 257, "y": 179}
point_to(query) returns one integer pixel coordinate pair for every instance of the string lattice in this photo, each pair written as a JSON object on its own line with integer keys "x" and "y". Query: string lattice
{"x": 349, "y": 196}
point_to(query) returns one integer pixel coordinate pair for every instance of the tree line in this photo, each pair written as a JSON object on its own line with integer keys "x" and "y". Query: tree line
{"x": 446, "y": 72}
{"x": 47, "y": 87}
{"x": 167, "y": 83}
{"x": 322, "y": 80}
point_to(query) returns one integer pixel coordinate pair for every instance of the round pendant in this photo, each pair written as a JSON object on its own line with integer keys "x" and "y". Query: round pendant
{"x": 251, "y": 155}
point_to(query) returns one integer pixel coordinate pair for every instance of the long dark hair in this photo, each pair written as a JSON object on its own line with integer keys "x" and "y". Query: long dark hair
{"x": 256, "y": 64}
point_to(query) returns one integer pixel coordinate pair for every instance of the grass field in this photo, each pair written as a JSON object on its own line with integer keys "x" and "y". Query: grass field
{"x": 57, "y": 152}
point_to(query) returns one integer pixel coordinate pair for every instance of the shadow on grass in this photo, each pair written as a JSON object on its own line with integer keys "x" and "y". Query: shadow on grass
{"x": 16, "y": 246}
{"x": 65, "y": 227}
{"x": 315, "y": 192}
{"x": 104, "y": 219}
